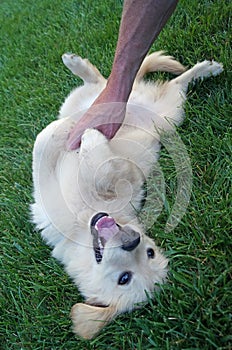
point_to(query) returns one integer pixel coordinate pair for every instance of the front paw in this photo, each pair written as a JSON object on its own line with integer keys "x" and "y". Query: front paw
{"x": 91, "y": 139}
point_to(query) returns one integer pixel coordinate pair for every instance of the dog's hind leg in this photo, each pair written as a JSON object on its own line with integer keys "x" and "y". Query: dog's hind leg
{"x": 82, "y": 68}
{"x": 170, "y": 104}
{"x": 201, "y": 70}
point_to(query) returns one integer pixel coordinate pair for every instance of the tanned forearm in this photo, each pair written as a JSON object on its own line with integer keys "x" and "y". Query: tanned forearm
{"x": 142, "y": 21}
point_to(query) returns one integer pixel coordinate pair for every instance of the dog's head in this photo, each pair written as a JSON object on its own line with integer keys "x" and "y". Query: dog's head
{"x": 128, "y": 265}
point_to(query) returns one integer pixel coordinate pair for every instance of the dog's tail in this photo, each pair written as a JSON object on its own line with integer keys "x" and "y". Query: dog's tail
{"x": 159, "y": 62}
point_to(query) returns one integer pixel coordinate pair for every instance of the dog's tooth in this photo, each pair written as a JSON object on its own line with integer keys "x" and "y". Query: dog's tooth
{"x": 100, "y": 244}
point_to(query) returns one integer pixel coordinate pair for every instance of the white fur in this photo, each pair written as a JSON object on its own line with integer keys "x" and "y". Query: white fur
{"x": 71, "y": 186}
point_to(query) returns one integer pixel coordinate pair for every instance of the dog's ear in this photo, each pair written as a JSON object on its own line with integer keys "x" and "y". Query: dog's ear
{"x": 88, "y": 320}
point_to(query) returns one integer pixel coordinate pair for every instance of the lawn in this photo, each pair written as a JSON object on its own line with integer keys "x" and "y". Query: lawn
{"x": 193, "y": 310}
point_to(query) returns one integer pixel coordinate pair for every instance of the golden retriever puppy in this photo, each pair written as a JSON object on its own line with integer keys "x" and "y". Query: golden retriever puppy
{"x": 86, "y": 201}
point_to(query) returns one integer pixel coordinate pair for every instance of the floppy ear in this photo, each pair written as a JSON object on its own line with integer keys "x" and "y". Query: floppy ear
{"x": 88, "y": 320}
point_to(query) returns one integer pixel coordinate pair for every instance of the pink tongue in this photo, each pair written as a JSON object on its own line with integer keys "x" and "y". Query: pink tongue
{"x": 107, "y": 228}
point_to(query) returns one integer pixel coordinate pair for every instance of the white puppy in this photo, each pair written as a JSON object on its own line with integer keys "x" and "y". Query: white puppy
{"x": 87, "y": 201}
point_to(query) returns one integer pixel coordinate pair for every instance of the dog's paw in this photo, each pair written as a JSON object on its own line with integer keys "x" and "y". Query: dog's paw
{"x": 215, "y": 68}
{"x": 71, "y": 60}
{"x": 210, "y": 68}
{"x": 91, "y": 139}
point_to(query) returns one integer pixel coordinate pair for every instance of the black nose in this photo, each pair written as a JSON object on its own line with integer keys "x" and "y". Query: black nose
{"x": 130, "y": 239}
{"x": 131, "y": 245}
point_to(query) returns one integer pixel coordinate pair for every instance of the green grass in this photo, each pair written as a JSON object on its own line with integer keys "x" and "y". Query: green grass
{"x": 193, "y": 310}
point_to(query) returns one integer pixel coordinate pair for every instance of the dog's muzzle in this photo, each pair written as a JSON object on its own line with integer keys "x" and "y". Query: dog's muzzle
{"x": 104, "y": 228}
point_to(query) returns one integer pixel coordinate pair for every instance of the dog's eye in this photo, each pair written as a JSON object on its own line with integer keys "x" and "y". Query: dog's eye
{"x": 125, "y": 278}
{"x": 150, "y": 253}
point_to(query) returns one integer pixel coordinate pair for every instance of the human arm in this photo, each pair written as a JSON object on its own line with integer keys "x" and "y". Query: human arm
{"x": 141, "y": 23}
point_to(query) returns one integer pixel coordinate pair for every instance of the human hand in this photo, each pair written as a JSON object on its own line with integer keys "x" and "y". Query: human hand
{"x": 105, "y": 117}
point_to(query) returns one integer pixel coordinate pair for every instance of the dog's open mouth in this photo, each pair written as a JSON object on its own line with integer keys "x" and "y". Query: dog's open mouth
{"x": 104, "y": 228}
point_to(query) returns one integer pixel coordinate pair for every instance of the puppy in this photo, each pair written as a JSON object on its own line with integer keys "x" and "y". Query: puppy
{"x": 86, "y": 202}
